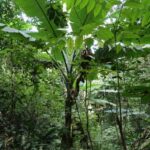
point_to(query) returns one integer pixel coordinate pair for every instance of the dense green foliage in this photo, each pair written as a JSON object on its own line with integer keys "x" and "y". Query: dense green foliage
{"x": 74, "y": 74}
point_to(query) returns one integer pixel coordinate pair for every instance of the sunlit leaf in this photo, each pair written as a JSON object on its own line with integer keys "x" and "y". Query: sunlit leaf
{"x": 97, "y": 9}
{"x": 70, "y": 43}
{"x": 90, "y": 6}
{"x": 146, "y": 19}
{"x": 78, "y": 42}
{"x": 77, "y": 2}
{"x": 128, "y": 35}
{"x": 104, "y": 33}
{"x": 133, "y": 3}
{"x": 38, "y": 9}
{"x": 70, "y": 3}
{"x": 83, "y": 3}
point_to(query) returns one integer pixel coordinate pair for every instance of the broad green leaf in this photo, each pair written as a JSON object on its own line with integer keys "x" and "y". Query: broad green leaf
{"x": 61, "y": 43}
{"x": 42, "y": 56}
{"x": 77, "y": 2}
{"x": 78, "y": 42}
{"x": 97, "y": 9}
{"x": 135, "y": 14}
{"x": 92, "y": 74}
{"x": 83, "y": 3}
{"x": 56, "y": 54}
{"x": 145, "y": 3}
{"x": 70, "y": 43}
{"x": 70, "y": 3}
{"x": 87, "y": 29}
{"x": 114, "y": 2}
{"x": 133, "y": 3}
{"x": 37, "y": 8}
{"x": 145, "y": 39}
{"x": 90, "y": 6}
{"x": 128, "y": 35}
{"x": 146, "y": 18}
{"x": 104, "y": 33}
{"x": 80, "y": 18}
{"x": 18, "y": 32}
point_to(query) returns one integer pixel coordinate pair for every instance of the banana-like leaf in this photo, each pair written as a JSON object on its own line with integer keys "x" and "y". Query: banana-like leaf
{"x": 2, "y": 25}
{"x": 37, "y": 9}
{"x": 102, "y": 102}
{"x": 16, "y": 33}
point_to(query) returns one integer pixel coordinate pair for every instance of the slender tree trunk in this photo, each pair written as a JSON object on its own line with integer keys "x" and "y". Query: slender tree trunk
{"x": 67, "y": 134}
{"x": 121, "y": 133}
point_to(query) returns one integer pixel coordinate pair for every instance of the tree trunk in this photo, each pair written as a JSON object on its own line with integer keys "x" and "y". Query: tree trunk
{"x": 121, "y": 133}
{"x": 67, "y": 134}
